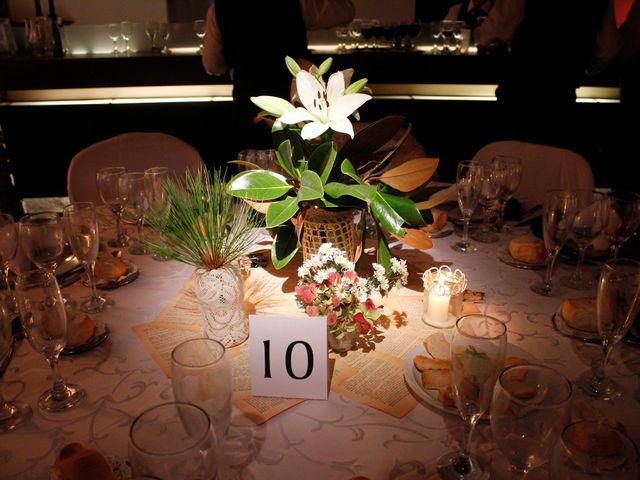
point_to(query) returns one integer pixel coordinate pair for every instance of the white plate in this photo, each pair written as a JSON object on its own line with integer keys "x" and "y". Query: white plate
{"x": 583, "y": 335}
{"x": 130, "y": 275}
{"x": 505, "y": 257}
{"x": 413, "y": 377}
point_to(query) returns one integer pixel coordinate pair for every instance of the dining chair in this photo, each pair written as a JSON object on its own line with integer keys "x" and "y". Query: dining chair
{"x": 136, "y": 151}
{"x": 544, "y": 167}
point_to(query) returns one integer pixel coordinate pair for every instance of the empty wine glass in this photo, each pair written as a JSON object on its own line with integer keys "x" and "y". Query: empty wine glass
{"x": 591, "y": 218}
{"x": 107, "y": 180}
{"x": 557, "y": 220}
{"x": 41, "y": 237}
{"x": 624, "y": 218}
{"x": 173, "y": 441}
{"x": 8, "y": 249}
{"x": 511, "y": 182}
{"x": 12, "y": 413}
{"x": 126, "y": 31}
{"x": 81, "y": 226}
{"x": 617, "y": 305}
{"x": 491, "y": 181}
{"x": 477, "y": 357}
{"x": 529, "y": 409}
{"x": 156, "y": 178}
{"x": 113, "y": 30}
{"x": 152, "y": 30}
{"x": 165, "y": 32}
{"x": 199, "y": 27}
{"x": 133, "y": 185}
{"x": 468, "y": 183}
{"x": 44, "y": 322}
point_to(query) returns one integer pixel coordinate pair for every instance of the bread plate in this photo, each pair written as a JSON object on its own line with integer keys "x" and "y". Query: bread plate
{"x": 130, "y": 275}
{"x": 563, "y": 328}
{"x": 505, "y": 257}
{"x": 100, "y": 334}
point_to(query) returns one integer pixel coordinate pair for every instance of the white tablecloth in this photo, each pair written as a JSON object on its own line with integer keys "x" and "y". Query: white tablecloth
{"x": 333, "y": 439}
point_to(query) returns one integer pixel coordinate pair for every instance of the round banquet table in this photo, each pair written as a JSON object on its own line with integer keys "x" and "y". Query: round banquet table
{"x": 334, "y": 439}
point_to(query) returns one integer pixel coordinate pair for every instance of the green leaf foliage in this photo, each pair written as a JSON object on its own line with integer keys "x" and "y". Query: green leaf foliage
{"x": 406, "y": 209}
{"x": 366, "y": 193}
{"x": 386, "y": 216}
{"x": 310, "y": 186}
{"x": 284, "y": 246}
{"x": 322, "y": 160}
{"x": 383, "y": 254}
{"x": 349, "y": 170}
{"x": 258, "y": 185}
{"x": 370, "y": 140}
{"x": 281, "y": 211}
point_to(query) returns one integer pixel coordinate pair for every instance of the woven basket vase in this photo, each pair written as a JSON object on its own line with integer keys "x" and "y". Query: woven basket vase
{"x": 329, "y": 226}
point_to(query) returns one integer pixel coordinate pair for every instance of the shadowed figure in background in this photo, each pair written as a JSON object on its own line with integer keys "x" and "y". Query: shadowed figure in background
{"x": 250, "y": 39}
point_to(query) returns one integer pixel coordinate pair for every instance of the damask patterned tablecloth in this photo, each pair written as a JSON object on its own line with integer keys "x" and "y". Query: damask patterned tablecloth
{"x": 333, "y": 439}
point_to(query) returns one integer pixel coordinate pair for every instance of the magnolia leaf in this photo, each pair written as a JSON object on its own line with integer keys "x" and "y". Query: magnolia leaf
{"x": 406, "y": 209}
{"x": 284, "y": 246}
{"x": 366, "y": 193}
{"x": 356, "y": 86}
{"x": 436, "y": 199}
{"x": 260, "y": 207}
{"x": 381, "y": 164}
{"x": 244, "y": 163}
{"x": 325, "y": 66}
{"x": 322, "y": 160}
{"x": 348, "y": 169}
{"x": 409, "y": 175}
{"x": 258, "y": 185}
{"x": 416, "y": 238}
{"x": 299, "y": 147}
{"x": 386, "y": 216}
{"x": 292, "y": 65}
{"x": 371, "y": 139}
{"x": 383, "y": 254}
{"x": 310, "y": 186}
{"x": 284, "y": 154}
{"x": 280, "y": 212}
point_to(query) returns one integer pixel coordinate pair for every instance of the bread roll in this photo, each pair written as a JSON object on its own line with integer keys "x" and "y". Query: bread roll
{"x": 595, "y": 439}
{"x": 75, "y": 462}
{"x": 109, "y": 269}
{"x": 438, "y": 346}
{"x": 580, "y": 313}
{"x": 80, "y": 328}
{"x": 422, "y": 362}
{"x": 528, "y": 249}
{"x": 436, "y": 378}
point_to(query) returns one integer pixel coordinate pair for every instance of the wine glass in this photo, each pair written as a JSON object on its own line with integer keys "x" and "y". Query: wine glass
{"x": 511, "y": 182}
{"x": 557, "y": 220}
{"x": 41, "y": 238}
{"x": 133, "y": 185}
{"x": 12, "y": 413}
{"x": 624, "y": 218}
{"x": 591, "y": 218}
{"x": 529, "y": 409}
{"x": 478, "y": 351}
{"x": 44, "y": 321}
{"x": 81, "y": 226}
{"x": 107, "y": 180}
{"x": 173, "y": 441}
{"x": 617, "y": 305}
{"x": 126, "y": 31}
{"x": 201, "y": 374}
{"x": 491, "y": 181}
{"x": 164, "y": 32}
{"x": 156, "y": 178}
{"x": 8, "y": 249}
{"x": 199, "y": 27}
{"x": 113, "y": 30}
{"x": 152, "y": 30}
{"x": 590, "y": 449}
{"x": 468, "y": 183}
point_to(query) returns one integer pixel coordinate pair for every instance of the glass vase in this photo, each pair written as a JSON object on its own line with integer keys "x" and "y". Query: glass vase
{"x": 341, "y": 342}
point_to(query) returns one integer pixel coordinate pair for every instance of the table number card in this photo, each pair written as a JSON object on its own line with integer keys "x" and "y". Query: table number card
{"x": 289, "y": 356}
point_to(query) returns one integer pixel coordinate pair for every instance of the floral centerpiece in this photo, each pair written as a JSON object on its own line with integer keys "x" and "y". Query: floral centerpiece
{"x": 318, "y": 174}
{"x": 329, "y": 285}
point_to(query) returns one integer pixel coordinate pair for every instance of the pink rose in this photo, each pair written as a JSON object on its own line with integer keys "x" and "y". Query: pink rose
{"x": 331, "y": 318}
{"x": 369, "y": 305}
{"x": 313, "y": 311}
{"x": 306, "y": 293}
{"x": 351, "y": 276}
{"x": 333, "y": 278}
{"x": 336, "y": 301}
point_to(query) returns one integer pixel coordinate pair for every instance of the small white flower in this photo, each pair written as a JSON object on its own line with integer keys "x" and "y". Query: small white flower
{"x": 303, "y": 270}
{"x": 320, "y": 276}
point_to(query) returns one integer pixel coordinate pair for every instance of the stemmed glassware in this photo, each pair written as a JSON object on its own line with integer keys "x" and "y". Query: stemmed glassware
{"x": 8, "y": 249}
{"x": 199, "y": 28}
{"x": 165, "y": 32}
{"x": 557, "y": 221}
{"x": 491, "y": 184}
{"x": 617, "y": 305}
{"x": 511, "y": 182}
{"x": 529, "y": 409}
{"x": 113, "y": 30}
{"x": 152, "y": 29}
{"x": 468, "y": 183}
{"x": 126, "y": 31}
{"x": 156, "y": 178}
{"x": 624, "y": 218}
{"x": 478, "y": 351}
{"x": 42, "y": 239}
{"x": 12, "y": 413}
{"x": 133, "y": 185}
{"x": 44, "y": 321}
{"x": 81, "y": 226}
{"x": 591, "y": 218}
{"x": 107, "y": 180}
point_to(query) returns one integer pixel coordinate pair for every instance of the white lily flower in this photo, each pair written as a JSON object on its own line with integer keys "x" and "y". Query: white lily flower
{"x": 323, "y": 108}
{"x": 274, "y": 105}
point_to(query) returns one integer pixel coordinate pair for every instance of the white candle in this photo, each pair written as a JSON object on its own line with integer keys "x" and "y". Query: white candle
{"x": 437, "y": 313}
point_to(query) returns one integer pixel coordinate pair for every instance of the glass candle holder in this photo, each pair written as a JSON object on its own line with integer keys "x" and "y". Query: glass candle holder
{"x": 443, "y": 289}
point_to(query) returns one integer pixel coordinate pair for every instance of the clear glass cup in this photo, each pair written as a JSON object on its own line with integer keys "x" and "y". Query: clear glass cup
{"x": 468, "y": 184}
{"x": 511, "y": 182}
{"x": 42, "y": 239}
{"x": 126, "y": 32}
{"x": 12, "y": 413}
{"x": 156, "y": 178}
{"x": 557, "y": 220}
{"x": 44, "y": 322}
{"x": 624, "y": 218}
{"x": 81, "y": 226}
{"x": 108, "y": 183}
{"x": 165, "y": 32}
{"x": 478, "y": 351}
{"x": 199, "y": 28}
{"x": 113, "y": 30}
{"x": 492, "y": 180}
{"x": 152, "y": 29}
{"x": 8, "y": 249}
{"x": 133, "y": 185}
{"x": 201, "y": 374}
{"x": 173, "y": 441}
{"x": 617, "y": 305}
{"x": 529, "y": 409}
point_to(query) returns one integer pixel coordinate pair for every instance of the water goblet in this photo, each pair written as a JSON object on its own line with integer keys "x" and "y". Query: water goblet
{"x": 107, "y": 180}
{"x": 173, "y": 441}
{"x": 44, "y": 321}
{"x": 152, "y": 30}
{"x": 478, "y": 351}
{"x": 126, "y": 31}
{"x": 12, "y": 413}
{"x": 8, "y": 249}
{"x": 113, "y": 30}
{"x": 617, "y": 305}
{"x": 491, "y": 179}
{"x": 136, "y": 203}
{"x": 557, "y": 219}
{"x": 468, "y": 183}
{"x": 81, "y": 226}
{"x": 156, "y": 178}
{"x": 529, "y": 409}
{"x": 623, "y": 219}
{"x": 199, "y": 28}
{"x": 591, "y": 218}
{"x": 200, "y": 374}
{"x": 41, "y": 238}
{"x": 511, "y": 182}
{"x": 164, "y": 32}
